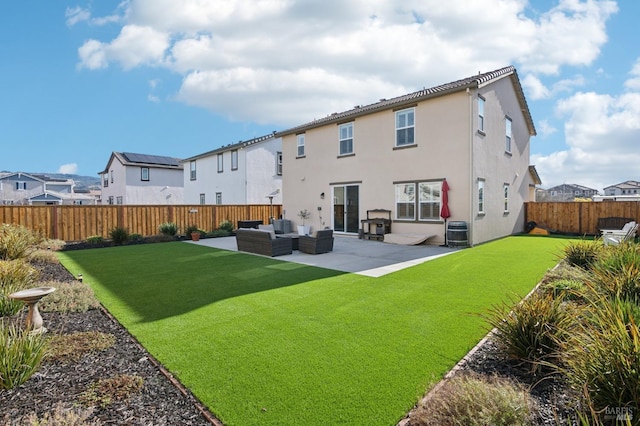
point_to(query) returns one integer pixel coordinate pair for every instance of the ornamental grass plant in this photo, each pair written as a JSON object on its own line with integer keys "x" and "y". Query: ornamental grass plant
{"x": 15, "y": 275}
{"x": 20, "y": 354}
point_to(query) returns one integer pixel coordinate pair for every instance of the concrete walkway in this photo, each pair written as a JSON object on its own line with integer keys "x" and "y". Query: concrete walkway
{"x": 350, "y": 254}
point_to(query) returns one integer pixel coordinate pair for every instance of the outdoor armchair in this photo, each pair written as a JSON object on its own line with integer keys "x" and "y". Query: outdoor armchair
{"x": 617, "y": 236}
{"x": 322, "y": 242}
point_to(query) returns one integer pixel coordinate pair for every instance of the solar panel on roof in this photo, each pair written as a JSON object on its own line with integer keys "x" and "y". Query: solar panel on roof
{"x": 150, "y": 159}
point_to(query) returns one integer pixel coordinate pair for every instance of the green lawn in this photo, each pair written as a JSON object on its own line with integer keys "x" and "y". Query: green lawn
{"x": 265, "y": 342}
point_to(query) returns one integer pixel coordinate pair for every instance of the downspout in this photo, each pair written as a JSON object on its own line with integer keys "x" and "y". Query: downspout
{"x": 471, "y": 181}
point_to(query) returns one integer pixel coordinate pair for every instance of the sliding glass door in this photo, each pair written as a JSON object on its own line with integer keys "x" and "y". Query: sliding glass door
{"x": 346, "y": 208}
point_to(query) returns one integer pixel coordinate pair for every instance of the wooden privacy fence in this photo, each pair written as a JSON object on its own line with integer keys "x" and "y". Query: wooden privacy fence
{"x": 76, "y": 223}
{"x": 579, "y": 217}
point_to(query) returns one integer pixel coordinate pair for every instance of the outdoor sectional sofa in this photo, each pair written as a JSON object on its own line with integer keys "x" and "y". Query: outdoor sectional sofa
{"x": 262, "y": 242}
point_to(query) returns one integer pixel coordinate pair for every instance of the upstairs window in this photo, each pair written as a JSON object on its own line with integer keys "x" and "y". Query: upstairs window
{"x": 346, "y": 139}
{"x": 111, "y": 176}
{"x": 218, "y": 197}
{"x": 405, "y": 123}
{"x": 300, "y": 145}
{"x": 234, "y": 159}
{"x": 21, "y": 186}
{"x": 202, "y": 199}
{"x": 507, "y": 122}
{"x": 192, "y": 170}
{"x": 481, "y": 113}
{"x": 279, "y": 163}
{"x": 220, "y": 163}
{"x": 144, "y": 173}
{"x": 105, "y": 180}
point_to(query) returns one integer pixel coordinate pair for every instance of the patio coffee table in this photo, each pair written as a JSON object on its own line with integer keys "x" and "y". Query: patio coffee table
{"x": 295, "y": 239}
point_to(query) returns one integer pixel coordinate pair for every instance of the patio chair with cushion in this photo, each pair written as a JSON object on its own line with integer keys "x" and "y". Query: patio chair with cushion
{"x": 322, "y": 242}
{"x": 617, "y": 236}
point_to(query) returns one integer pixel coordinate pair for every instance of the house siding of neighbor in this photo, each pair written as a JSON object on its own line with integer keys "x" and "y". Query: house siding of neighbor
{"x": 25, "y": 188}
{"x": 567, "y": 192}
{"x": 242, "y": 173}
{"x": 142, "y": 179}
{"x": 629, "y": 187}
{"x": 459, "y": 133}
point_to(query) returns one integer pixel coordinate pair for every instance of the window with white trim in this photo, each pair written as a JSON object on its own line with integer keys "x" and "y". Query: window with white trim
{"x": 202, "y": 199}
{"x": 481, "y": 113}
{"x": 111, "y": 176}
{"x": 105, "y": 180}
{"x": 218, "y": 197}
{"x": 119, "y": 199}
{"x": 427, "y": 204}
{"x": 300, "y": 139}
{"x": 220, "y": 163}
{"x": 406, "y": 201}
{"x": 144, "y": 173}
{"x": 279, "y": 163}
{"x": 192, "y": 170}
{"x": 346, "y": 138}
{"x": 507, "y": 125}
{"x": 234, "y": 159}
{"x": 480, "y": 196}
{"x": 110, "y": 199}
{"x": 405, "y": 124}
{"x": 429, "y": 200}
{"x": 506, "y": 197}
{"x": 21, "y": 186}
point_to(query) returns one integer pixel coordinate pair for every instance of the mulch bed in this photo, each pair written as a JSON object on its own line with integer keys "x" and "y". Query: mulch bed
{"x": 160, "y": 402}
{"x": 163, "y": 401}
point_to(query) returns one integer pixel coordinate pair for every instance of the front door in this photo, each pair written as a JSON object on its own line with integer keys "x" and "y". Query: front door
{"x": 346, "y": 201}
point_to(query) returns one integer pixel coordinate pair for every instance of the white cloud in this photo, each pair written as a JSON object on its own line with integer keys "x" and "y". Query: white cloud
{"x": 602, "y": 134}
{"x": 633, "y": 83}
{"x": 68, "y": 169}
{"x": 545, "y": 129}
{"x": 234, "y": 54}
{"x": 76, "y": 14}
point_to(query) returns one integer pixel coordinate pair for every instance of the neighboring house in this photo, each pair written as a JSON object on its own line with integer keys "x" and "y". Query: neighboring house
{"x": 248, "y": 172}
{"x": 132, "y": 178}
{"x": 567, "y": 192}
{"x": 630, "y": 187}
{"x": 33, "y": 189}
{"x": 396, "y": 153}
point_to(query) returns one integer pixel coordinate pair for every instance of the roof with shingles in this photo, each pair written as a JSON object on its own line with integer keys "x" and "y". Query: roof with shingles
{"x": 232, "y": 146}
{"x": 475, "y": 81}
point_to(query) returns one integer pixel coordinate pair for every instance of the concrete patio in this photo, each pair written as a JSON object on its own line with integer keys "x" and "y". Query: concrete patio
{"x": 350, "y": 254}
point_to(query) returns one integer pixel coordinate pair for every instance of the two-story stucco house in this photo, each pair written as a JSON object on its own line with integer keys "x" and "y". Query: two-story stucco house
{"x": 629, "y": 187}
{"x": 396, "y": 153}
{"x": 247, "y": 172}
{"x": 32, "y": 189}
{"x": 567, "y": 192}
{"x": 131, "y": 178}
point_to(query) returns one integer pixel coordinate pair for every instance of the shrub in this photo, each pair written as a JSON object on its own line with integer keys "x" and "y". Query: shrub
{"x": 44, "y": 256}
{"x": 17, "y": 241}
{"x": 218, "y": 233}
{"x": 15, "y": 275}
{"x": 168, "y": 228}
{"x": 531, "y": 332}
{"x": 103, "y": 392}
{"x": 20, "y": 354}
{"x": 71, "y": 347}
{"x": 617, "y": 272}
{"x": 565, "y": 289}
{"x": 69, "y": 297}
{"x": 226, "y": 225}
{"x": 603, "y": 355}
{"x": 477, "y": 400}
{"x": 95, "y": 239}
{"x": 53, "y": 245}
{"x": 136, "y": 237}
{"x": 119, "y": 235}
{"x": 582, "y": 253}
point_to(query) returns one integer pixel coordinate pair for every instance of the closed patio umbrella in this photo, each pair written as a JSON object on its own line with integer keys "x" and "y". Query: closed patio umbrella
{"x": 444, "y": 211}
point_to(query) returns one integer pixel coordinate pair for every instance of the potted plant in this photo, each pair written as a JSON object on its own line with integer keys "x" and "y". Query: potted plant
{"x": 193, "y": 232}
{"x": 304, "y": 215}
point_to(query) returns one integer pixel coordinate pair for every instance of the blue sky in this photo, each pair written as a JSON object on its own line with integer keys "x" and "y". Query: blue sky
{"x": 80, "y": 79}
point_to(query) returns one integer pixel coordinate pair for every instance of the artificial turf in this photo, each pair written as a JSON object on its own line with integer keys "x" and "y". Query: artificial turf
{"x": 266, "y": 342}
